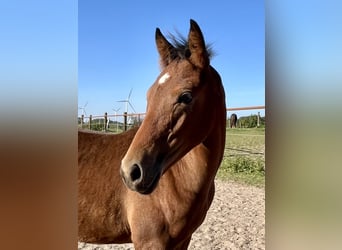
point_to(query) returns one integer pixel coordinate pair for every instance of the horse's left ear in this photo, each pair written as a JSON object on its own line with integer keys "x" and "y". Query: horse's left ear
{"x": 198, "y": 52}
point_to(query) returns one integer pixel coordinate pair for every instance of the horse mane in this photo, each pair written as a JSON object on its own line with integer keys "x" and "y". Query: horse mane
{"x": 181, "y": 47}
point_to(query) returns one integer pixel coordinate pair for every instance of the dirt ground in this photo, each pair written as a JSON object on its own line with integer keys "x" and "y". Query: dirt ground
{"x": 235, "y": 220}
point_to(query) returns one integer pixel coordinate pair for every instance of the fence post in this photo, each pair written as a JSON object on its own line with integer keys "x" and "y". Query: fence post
{"x": 105, "y": 121}
{"x": 258, "y": 124}
{"x": 90, "y": 120}
{"x": 82, "y": 119}
{"x": 125, "y": 121}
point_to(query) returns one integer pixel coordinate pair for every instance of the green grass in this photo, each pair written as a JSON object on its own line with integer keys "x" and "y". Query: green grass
{"x": 244, "y": 156}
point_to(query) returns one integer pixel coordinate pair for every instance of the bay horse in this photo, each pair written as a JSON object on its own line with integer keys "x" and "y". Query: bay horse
{"x": 233, "y": 120}
{"x": 153, "y": 185}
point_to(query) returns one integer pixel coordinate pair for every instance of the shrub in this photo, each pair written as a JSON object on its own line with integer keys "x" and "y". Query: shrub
{"x": 242, "y": 164}
{"x": 251, "y": 121}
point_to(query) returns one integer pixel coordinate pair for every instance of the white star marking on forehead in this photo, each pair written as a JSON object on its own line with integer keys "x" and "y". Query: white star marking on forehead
{"x": 164, "y": 78}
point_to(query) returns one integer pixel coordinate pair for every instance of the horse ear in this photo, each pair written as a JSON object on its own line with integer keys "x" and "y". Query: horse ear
{"x": 165, "y": 49}
{"x": 198, "y": 52}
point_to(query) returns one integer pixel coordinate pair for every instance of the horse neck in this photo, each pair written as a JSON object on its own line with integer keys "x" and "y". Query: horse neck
{"x": 215, "y": 141}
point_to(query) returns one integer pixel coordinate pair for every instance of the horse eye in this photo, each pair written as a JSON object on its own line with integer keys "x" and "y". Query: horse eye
{"x": 185, "y": 98}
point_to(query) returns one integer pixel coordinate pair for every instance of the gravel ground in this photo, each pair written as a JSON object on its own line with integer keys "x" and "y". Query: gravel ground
{"x": 235, "y": 220}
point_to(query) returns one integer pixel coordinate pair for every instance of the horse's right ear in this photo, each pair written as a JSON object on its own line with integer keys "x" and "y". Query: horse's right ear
{"x": 198, "y": 52}
{"x": 165, "y": 49}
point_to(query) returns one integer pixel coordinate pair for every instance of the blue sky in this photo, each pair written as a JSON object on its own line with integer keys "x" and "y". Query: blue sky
{"x": 117, "y": 51}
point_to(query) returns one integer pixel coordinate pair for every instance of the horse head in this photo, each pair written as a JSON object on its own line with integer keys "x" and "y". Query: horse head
{"x": 181, "y": 111}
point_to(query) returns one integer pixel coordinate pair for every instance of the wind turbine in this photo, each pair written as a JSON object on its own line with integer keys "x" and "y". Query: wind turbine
{"x": 127, "y": 102}
{"x": 83, "y": 109}
{"x": 83, "y": 113}
{"x": 116, "y": 118}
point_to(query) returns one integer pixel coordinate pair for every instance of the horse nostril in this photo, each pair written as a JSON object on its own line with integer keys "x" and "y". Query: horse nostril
{"x": 135, "y": 172}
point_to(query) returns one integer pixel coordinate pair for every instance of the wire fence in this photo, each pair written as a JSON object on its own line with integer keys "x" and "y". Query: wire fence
{"x": 117, "y": 123}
